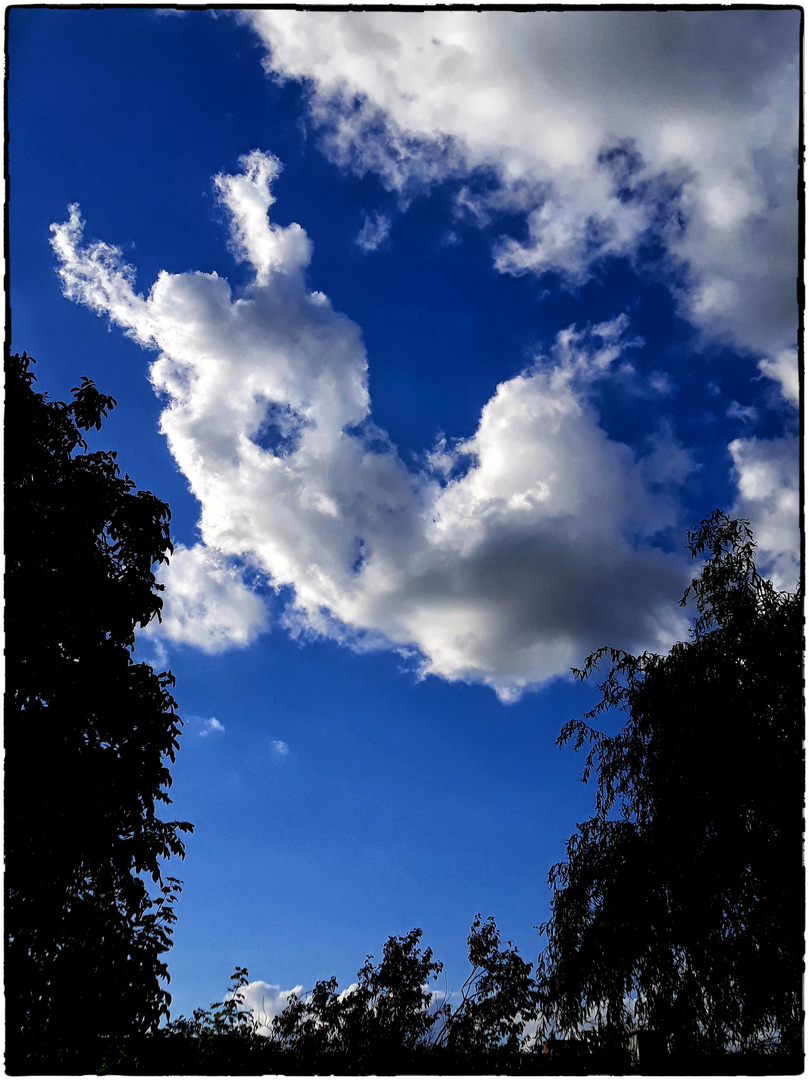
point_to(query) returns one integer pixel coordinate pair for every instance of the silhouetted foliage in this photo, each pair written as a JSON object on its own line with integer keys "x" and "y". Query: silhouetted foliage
{"x": 88, "y": 733}
{"x": 390, "y": 1021}
{"x": 497, "y": 999}
{"x": 679, "y": 907}
{"x": 378, "y": 1024}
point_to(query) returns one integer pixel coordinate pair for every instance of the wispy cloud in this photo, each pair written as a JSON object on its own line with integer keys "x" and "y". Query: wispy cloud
{"x": 154, "y": 653}
{"x": 280, "y": 748}
{"x": 373, "y": 232}
{"x": 748, "y": 414}
{"x": 661, "y": 383}
{"x": 211, "y": 725}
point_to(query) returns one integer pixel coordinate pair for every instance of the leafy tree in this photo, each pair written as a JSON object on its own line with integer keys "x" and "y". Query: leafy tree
{"x": 497, "y": 999}
{"x": 387, "y": 1022}
{"x": 88, "y": 733}
{"x": 388, "y": 1018}
{"x": 382, "y": 1021}
{"x": 679, "y": 907}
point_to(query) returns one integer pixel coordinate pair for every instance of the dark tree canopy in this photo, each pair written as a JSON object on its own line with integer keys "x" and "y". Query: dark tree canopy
{"x": 88, "y": 734}
{"x": 684, "y": 892}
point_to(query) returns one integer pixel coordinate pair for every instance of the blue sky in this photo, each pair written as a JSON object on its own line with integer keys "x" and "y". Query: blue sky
{"x": 437, "y": 331}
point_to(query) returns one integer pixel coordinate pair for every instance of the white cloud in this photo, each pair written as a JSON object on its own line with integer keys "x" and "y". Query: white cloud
{"x": 748, "y": 414}
{"x": 266, "y": 1000}
{"x": 211, "y": 725}
{"x": 503, "y": 561}
{"x": 783, "y": 368}
{"x": 206, "y": 603}
{"x": 280, "y": 748}
{"x": 154, "y": 654}
{"x": 667, "y": 461}
{"x": 373, "y": 232}
{"x": 767, "y": 475}
{"x": 601, "y": 127}
{"x": 661, "y": 383}
{"x": 255, "y": 240}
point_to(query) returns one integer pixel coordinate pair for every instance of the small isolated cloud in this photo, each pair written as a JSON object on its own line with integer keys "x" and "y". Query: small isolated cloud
{"x": 373, "y": 232}
{"x": 661, "y": 383}
{"x": 210, "y": 725}
{"x": 279, "y": 748}
{"x": 748, "y": 414}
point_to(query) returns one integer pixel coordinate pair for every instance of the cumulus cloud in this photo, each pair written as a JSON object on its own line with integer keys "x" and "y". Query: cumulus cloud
{"x": 503, "y": 560}
{"x": 280, "y": 748}
{"x": 769, "y": 498}
{"x": 604, "y": 129}
{"x": 206, "y": 603}
{"x": 374, "y": 232}
{"x": 266, "y": 1000}
{"x": 211, "y": 725}
{"x": 783, "y": 369}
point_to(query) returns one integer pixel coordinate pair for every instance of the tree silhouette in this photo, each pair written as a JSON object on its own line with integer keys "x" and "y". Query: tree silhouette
{"x": 679, "y": 907}
{"x": 498, "y": 998}
{"x": 88, "y": 733}
{"x": 390, "y": 1021}
{"x": 380, "y": 1024}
